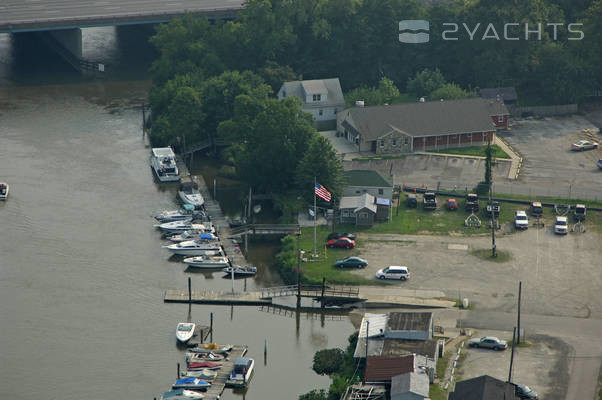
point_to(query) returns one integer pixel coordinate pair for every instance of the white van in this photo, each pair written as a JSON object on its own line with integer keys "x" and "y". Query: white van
{"x": 394, "y": 272}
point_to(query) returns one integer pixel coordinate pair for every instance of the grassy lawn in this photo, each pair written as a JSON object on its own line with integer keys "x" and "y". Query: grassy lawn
{"x": 485, "y": 254}
{"x": 436, "y": 392}
{"x": 323, "y": 266}
{"x": 475, "y": 151}
{"x": 440, "y": 221}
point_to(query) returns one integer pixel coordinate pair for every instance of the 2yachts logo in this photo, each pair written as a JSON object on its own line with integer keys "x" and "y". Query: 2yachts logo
{"x": 416, "y": 31}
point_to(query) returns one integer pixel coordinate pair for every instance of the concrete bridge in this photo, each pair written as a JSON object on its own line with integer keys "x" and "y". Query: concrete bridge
{"x": 62, "y": 20}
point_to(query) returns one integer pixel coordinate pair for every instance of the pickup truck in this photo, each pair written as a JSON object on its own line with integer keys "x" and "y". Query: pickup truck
{"x": 472, "y": 202}
{"x": 429, "y": 201}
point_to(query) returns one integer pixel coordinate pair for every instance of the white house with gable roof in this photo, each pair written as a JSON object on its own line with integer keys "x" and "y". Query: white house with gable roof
{"x": 322, "y": 98}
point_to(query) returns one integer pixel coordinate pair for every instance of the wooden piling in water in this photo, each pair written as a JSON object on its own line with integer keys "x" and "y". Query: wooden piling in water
{"x": 189, "y": 291}
{"x": 211, "y": 328}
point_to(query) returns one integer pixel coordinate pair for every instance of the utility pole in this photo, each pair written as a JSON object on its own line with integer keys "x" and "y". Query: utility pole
{"x": 298, "y": 272}
{"x": 315, "y": 221}
{"x": 367, "y": 329}
{"x": 520, "y": 285}
{"x": 492, "y": 210}
{"x": 512, "y": 355}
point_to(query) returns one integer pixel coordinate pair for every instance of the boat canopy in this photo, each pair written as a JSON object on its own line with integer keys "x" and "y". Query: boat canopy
{"x": 206, "y": 236}
{"x": 241, "y": 365}
{"x": 188, "y": 207}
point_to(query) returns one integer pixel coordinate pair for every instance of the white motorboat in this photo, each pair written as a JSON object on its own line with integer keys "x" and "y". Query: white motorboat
{"x": 185, "y": 331}
{"x": 184, "y": 236}
{"x": 243, "y": 369}
{"x": 4, "y": 188}
{"x": 186, "y": 213}
{"x": 182, "y": 394}
{"x": 185, "y": 225}
{"x": 240, "y": 271}
{"x": 163, "y": 162}
{"x": 207, "y": 262}
{"x": 189, "y": 194}
{"x": 195, "y": 248}
{"x": 204, "y": 373}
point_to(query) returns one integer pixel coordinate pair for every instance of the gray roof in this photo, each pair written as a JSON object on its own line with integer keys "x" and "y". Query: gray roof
{"x": 505, "y": 93}
{"x": 332, "y": 86}
{"x": 315, "y": 86}
{"x": 431, "y": 118}
{"x": 483, "y": 388}
{"x": 415, "y": 382}
{"x": 366, "y": 200}
{"x": 409, "y": 321}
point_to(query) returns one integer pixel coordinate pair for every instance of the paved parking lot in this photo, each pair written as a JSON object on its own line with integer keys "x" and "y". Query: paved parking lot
{"x": 543, "y": 366}
{"x": 560, "y": 274}
{"x": 548, "y": 162}
{"x": 429, "y": 169}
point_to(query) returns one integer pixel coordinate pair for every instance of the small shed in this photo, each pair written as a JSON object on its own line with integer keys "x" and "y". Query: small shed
{"x": 383, "y": 209}
{"x": 358, "y": 210}
{"x": 410, "y": 386}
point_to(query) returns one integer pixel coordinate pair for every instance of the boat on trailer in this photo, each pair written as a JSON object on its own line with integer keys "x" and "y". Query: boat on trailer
{"x": 241, "y": 374}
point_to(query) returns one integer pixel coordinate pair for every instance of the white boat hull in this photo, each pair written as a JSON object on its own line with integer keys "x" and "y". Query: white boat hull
{"x": 4, "y": 191}
{"x": 209, "y": 263}
{"x": 197, "y": 252}
{"x": 195, "y": 200}
{"x": 240, "y": 380}
{"x": 184, "y": 336}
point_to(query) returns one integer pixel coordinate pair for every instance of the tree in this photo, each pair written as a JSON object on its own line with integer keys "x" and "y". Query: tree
{"x": 388, "y": 89}
{"x": 274, "y": 137}
{"x": 322, "y": 162}
{"x": 186, "y": 117}
{"x": 275, "y": 75}
{"x": 488, "y": 161}
{"x": 314, "y": 395}
{"x": 425, "y": 82}
{"x": 328, "y": 361}
{"x": 450, "y": 91}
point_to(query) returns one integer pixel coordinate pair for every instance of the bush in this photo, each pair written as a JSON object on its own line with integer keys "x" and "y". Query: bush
{"x": 482, "y": 189}
{"x": 286, "y": 260}
{"x": 328, "y": 361}
{"x": 314, "y": 395}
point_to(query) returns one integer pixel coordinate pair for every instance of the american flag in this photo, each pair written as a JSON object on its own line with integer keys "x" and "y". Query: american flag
{"x": 322, "y": 193}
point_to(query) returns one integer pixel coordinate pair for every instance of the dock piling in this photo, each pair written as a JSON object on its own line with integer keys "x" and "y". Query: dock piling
{"x": 178, "y": 371}
{"x": 189, "y": 291}
{"x": 211, "y": 328}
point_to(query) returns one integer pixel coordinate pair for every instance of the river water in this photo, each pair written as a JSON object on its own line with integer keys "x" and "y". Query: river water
{"x": 82, "y": 271}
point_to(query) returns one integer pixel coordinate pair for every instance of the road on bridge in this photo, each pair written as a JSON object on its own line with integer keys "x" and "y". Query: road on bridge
{"x": 39, "y": 15}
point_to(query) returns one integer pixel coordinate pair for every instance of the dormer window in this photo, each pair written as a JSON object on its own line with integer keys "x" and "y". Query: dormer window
{"x": 317, "y": 97}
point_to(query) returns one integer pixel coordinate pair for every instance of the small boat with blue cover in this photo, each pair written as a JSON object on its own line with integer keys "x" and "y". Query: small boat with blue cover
{"x": 190, "y": 383}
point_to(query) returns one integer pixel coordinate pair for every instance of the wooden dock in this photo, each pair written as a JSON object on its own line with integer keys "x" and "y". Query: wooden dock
{"x": 215, "y": 297}
{"x": 219, "y": 383}
{"x": 217, "y": 216}
{"x": 201, "y": 333}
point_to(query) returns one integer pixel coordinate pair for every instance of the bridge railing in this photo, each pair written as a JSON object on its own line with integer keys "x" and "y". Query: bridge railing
{"x": 262, "y": 228}
{"x": 311, "y": 291}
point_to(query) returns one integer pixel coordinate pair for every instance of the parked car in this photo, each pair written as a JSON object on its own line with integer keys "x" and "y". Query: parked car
{"x": 341, "y": 235}
{"x": 600, "y": 163}
{"x": 429, "y": 201}
{"x": 524, "y": 392}
{"x": 561, "y": 225}
{"x": 394, "y": 272}
{"x": 452, "y": 204}
{"x": 488, "y": 342}
{"x": 536, "y": 209}
{"x": 580, "y": 212}
{"x": 411, "y": 200}
{"x": 351, "y": 262}
{"x": 584, "y": 145}
{"x": 520, "y": 220}
{"x": 472, "y": 202}
{"x": 342, "y": 243}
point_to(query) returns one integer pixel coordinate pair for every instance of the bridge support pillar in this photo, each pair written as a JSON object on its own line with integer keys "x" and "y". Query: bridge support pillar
{"x": 70, "y": 39}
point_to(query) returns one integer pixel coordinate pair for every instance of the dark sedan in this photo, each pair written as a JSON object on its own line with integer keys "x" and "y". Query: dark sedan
{"x": 351, "y": 262}
{"x": 341, "y": 235}
{"x": 342, "y": 243}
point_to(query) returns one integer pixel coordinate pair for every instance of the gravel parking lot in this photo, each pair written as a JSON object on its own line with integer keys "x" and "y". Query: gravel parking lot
{"x": 560, "y": 274}
{"x": 548, "y": 162}
{"x": 543, "y": 366}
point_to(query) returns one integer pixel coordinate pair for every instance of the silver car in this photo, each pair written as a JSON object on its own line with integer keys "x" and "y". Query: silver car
{"x": 488, "y": 342}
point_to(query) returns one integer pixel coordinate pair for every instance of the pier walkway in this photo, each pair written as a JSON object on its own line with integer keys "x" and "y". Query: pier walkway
{"x": 217, "y": 217}
{"x": 219, "y": 383}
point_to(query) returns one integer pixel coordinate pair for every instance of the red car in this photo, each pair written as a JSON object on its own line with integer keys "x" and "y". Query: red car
{"x": 452, "y": 204}
{"x": 343, "y": 243}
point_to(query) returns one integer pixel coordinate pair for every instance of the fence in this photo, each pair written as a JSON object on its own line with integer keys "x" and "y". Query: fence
{"x": 563, "y": 192}
{"x": 564, "y": 109}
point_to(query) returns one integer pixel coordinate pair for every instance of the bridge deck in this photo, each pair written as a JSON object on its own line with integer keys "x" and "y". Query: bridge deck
{"x": 23, "y": 16}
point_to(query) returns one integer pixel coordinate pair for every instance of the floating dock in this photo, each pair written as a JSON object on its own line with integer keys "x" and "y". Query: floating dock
{"x": 219, "y": 383}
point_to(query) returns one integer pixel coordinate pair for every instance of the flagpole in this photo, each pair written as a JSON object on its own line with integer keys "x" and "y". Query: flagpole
{"x": 315, "y": 216}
